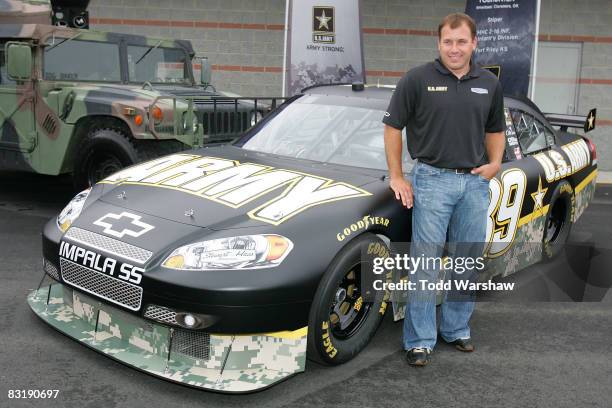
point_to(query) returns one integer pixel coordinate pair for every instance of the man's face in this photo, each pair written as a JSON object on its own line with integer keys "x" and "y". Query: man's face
{"x": 456, "y": 46}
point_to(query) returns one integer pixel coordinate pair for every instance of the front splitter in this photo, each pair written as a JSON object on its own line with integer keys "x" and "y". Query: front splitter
{"x": 224, "y": 363}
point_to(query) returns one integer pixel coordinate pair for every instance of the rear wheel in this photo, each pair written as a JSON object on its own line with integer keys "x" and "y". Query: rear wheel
{"x": 340, "y": 323}
{"x": 558, "y": 220}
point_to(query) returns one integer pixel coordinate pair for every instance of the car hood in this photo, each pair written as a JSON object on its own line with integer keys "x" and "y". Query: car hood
{"x": 228, "y": 187}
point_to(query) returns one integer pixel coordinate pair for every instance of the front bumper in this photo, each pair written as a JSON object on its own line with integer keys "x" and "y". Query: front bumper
{"x": 225, "y": 363}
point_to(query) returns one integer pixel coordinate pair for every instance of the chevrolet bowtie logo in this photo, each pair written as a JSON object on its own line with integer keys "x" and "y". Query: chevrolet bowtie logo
{"x": 120, "y": 225}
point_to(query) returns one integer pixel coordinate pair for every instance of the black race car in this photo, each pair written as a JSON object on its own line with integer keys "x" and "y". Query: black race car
{"x": 224, "y": 267}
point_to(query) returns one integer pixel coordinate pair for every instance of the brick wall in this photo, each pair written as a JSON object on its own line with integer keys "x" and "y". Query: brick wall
{"x": 244, "y": 41}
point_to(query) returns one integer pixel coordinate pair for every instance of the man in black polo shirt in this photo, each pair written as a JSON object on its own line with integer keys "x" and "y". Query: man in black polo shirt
{"x": 453, "y": 114}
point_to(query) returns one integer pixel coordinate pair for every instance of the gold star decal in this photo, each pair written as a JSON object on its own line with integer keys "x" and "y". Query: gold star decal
{"x": 538, "y": 196}
{"x": 323, "y": 20}
{"x": 590, "y": 119}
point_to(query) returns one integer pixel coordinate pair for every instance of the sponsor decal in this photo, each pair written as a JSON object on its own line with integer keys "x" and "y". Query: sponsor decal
{"x": 437, "y": 88}
{"x": 323, "y": 22}
{"x": 517, "y": 153}
{"x": 481, "y": 91}
{"x": 120, "y": 225}
{"x": 100, "y": 263}
{"x": 513, "y": 141}
{"x": 556, "y": 167}
{"x": 235, "y": 184}
{"x": 363, "y": 224}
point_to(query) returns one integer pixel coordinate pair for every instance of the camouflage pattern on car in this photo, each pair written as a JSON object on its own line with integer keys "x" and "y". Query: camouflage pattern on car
{"x": 225, "y": 363}
{"x": 583, "y": 194}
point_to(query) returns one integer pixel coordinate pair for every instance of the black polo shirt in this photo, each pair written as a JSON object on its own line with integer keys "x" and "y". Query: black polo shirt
{"x": 445, "y": 117}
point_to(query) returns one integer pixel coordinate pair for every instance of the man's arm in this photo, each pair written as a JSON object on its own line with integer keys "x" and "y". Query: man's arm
{"x": 495, "y": 144}
{"x": 495, "y": 141}
{"x": 393, "y": 151}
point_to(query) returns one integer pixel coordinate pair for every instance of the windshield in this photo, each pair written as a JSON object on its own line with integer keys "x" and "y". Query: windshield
{"x": 69, "y": 59}
{"x": 316, "y": 128}
{"x": 157, "y": 64}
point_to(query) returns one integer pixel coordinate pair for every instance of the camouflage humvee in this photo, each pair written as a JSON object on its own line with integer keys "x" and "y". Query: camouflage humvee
{"x": 89, "y": 102}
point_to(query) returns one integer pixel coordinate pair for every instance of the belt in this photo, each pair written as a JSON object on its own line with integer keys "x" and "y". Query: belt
{"x": 463, "y": 170}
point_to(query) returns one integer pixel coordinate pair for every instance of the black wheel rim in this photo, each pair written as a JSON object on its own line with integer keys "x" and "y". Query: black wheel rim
{"x": 103, "y": 166}
{"x": 348, "y": 311}
{"x": 555, "y": 222}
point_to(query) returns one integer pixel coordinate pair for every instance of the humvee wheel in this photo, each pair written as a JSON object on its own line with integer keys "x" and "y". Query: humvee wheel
{"x": 103, "y": 152}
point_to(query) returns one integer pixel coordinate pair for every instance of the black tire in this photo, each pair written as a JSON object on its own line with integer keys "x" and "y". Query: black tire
{"x": 329, "y": 343}
{"x": 558, "y": 220}
{"x": 105, "y": 151}
{"x": 102, "y": 152}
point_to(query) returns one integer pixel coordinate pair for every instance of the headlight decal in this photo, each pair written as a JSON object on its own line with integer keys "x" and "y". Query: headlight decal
{"x": 239, "y": 252}
{"x": 72, "y": 211}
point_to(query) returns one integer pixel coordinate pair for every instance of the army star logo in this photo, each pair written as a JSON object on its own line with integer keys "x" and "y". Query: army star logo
{"x": 323, "y": 23}
{"x": 122, "y": 228}
{"x": 590, "y": 121}
{"x": 538, "y": 196}
{"x": 323, "y": 20}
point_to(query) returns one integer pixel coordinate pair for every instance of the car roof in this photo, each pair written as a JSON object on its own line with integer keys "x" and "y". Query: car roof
{"x": 369, "y": 91}
{"x": 384, "y": 92}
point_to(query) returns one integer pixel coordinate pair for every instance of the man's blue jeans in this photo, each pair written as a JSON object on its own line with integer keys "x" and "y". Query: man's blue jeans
{"x": 444, "y": 201}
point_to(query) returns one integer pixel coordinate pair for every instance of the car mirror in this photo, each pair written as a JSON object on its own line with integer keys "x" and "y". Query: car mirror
{"x": 18, "y": 61}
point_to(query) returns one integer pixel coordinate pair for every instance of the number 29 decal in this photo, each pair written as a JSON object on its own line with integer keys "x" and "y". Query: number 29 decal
{"x": 506, "y": 200}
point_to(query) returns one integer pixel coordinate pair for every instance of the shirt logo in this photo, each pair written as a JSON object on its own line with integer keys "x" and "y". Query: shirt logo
{"x": 115, "y": 225}
{"x": 480, "y": 90}
{"x": 437, "y": 88}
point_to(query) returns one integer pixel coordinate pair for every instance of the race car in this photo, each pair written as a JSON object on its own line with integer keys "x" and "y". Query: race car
{"x": 225, "y": 267}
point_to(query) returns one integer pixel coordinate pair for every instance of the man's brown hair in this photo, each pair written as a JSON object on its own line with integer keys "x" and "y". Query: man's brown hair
{"x": 455, "y": 20}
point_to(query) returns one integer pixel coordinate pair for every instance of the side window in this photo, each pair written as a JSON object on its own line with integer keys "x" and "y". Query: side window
{"x": 4, "y": 79}
{"x": 531, "y": 133}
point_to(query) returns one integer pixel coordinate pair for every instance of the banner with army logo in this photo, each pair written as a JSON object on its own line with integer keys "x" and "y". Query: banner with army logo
{"x": 324, "y": 43}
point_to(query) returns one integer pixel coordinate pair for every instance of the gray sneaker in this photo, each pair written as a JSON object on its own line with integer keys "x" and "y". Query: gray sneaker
{"x": 464, "y": 345}
{"x": 418, "y": 356}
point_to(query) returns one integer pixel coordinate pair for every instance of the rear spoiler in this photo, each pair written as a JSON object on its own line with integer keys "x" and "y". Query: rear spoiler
{"x": 587, "y": 123}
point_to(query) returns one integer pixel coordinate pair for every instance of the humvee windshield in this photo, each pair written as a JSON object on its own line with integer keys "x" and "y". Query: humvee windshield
{"x": 80, "y": 60}
{"x": 157, "y": 65}
{"x": 72, "y": 59}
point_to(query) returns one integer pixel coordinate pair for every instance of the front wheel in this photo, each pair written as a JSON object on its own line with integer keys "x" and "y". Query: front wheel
{"x": 102, "y": 153}
{"x": 341, "y": 324}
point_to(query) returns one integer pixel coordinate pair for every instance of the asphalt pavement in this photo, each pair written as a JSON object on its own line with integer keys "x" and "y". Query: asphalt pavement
{"x": 530, "y": 351}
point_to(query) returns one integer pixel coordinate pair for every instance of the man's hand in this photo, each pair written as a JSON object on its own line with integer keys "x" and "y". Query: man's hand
{"x": 495, "y": 144}
{"x": 488, "y": 170}
{"x": 403, "y": 190}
